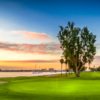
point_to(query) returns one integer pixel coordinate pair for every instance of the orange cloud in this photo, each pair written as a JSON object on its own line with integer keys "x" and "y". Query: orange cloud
{"x": 32, "y": 35}
{"x": 32, "y": 61}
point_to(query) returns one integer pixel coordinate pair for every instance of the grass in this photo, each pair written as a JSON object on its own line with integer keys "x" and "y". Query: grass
{"x": 86, "y": 87}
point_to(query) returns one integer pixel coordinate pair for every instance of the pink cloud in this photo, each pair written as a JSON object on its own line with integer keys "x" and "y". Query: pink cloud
{"x": 32, "y": 48}
{"x": 32, "y": 35}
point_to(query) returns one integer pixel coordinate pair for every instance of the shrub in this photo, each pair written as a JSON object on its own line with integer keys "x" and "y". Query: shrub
{"x": 98, "y": 69}
{"x": 93, "y": 69}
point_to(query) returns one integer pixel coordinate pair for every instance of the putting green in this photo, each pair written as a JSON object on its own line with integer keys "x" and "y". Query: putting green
{"x": 86, "y": 87}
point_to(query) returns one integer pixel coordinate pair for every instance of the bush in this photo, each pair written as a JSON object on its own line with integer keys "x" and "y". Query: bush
{"x": 93, "y": 69}
{"x": 98, "y": 69}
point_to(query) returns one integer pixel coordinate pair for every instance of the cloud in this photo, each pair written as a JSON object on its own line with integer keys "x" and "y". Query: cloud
{"x": 96, "y": 62}
{"x": 33, "y": 61}
{"x": 49, "y": 48}
{"x": 97, "y": 45}
{"x": 32, "y": 35}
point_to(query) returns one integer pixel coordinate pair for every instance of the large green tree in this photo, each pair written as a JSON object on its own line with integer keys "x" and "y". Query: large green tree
{"x": 77, "y": 45}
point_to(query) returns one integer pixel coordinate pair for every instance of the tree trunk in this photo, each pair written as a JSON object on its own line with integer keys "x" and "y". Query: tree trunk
{"x": 66, "y": 69}
{"x": 89, "y": 66}
{"x": 61, "y": 69}
{"x": 77, "y": 73}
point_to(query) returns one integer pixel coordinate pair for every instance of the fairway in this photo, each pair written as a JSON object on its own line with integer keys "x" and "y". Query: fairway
{"x": 86, "y": 87}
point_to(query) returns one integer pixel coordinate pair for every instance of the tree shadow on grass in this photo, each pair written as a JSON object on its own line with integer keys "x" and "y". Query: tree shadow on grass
{"x": 26, "y": 96}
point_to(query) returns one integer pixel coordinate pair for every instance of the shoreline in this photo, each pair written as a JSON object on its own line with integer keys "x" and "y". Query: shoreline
{"x": 26, "y": 74}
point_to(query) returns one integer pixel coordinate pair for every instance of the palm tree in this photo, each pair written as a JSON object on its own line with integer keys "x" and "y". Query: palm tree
{"x": 61, "y": 61}
{"x": 66, "y": 62}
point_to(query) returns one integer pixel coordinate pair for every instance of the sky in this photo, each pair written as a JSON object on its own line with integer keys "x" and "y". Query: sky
{"x": 29, "y": 28}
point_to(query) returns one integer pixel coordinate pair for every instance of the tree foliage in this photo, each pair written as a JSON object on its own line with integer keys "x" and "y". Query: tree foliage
{"x": 61, "y": 61}
{"x": 77, "y": 45}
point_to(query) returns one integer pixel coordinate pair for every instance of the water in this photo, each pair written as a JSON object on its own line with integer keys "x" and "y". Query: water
{"x": 28, "y": 74}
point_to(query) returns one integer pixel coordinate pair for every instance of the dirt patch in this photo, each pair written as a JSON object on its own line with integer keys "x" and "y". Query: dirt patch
{"x": 51, "y": 75}
{"x": 3, "y": 82}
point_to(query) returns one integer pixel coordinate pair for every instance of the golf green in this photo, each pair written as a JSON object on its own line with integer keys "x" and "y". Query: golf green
{"x": 86, "y": 87}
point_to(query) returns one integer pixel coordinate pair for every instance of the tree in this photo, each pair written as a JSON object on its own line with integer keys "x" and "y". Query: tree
{"x": 61, "y": 61}
{"x": 66, "y": 62}
{"x": 77, "y": 45}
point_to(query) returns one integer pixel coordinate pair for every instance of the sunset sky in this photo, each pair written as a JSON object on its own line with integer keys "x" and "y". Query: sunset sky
{"x": 29, "y": 28}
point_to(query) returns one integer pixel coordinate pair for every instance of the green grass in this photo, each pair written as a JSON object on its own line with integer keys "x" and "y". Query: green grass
{"x": 86, "y": 87}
